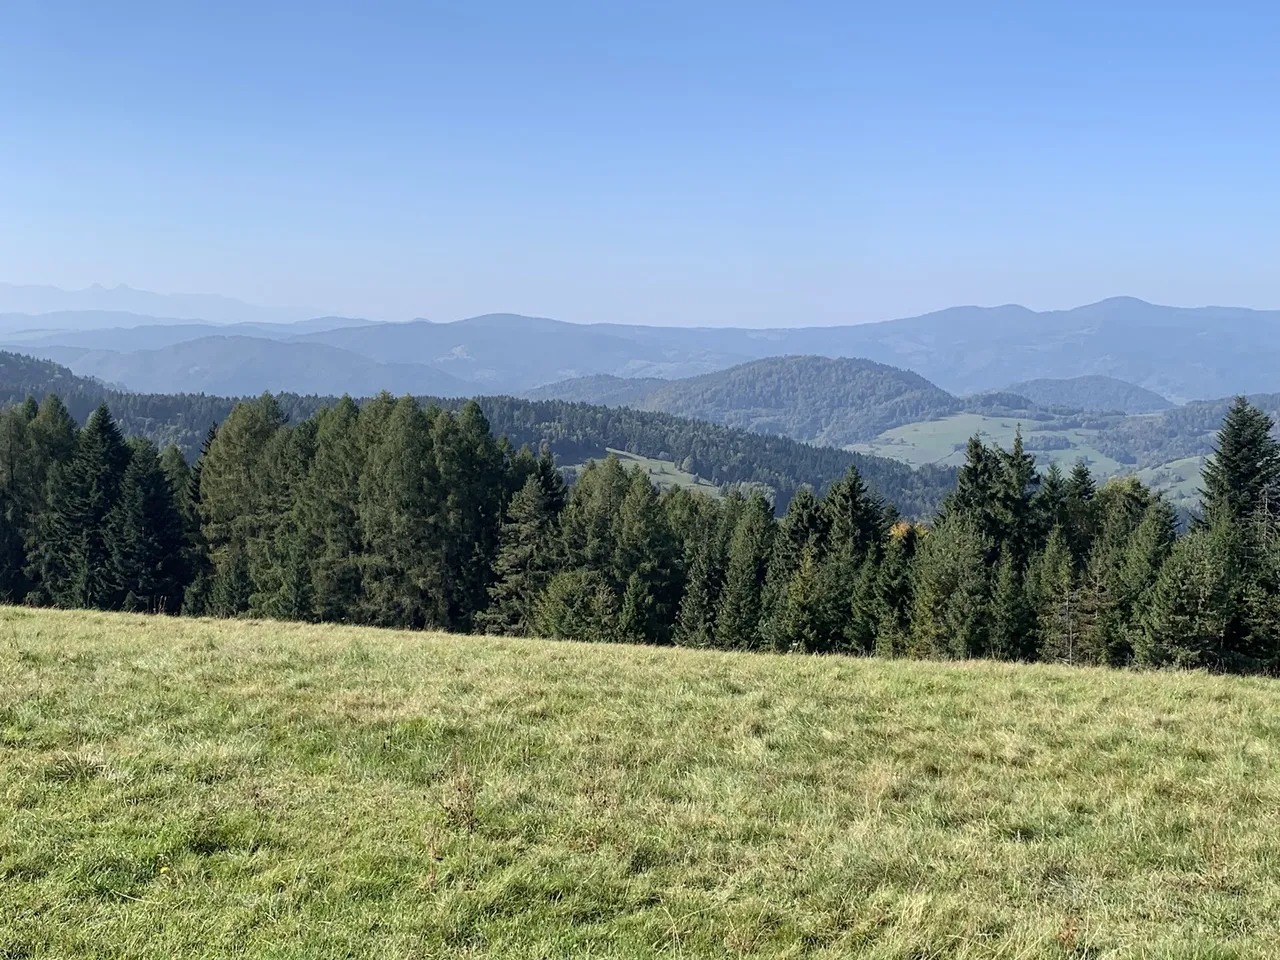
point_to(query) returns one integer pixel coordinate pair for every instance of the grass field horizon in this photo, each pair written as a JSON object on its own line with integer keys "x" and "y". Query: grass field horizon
{"x": 197, "y": 788}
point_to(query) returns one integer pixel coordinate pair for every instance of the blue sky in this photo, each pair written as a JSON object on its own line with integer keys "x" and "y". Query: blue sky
{"x": 719, "y": 163}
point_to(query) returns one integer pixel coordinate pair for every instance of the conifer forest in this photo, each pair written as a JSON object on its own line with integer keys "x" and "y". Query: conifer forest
{"x": 398, "y": 515}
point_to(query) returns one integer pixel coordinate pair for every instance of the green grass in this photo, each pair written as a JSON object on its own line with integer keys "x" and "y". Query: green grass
{"x": 664, "y": 473}
{"x": 184, "y": 788}
{"x": 942, "y": 442}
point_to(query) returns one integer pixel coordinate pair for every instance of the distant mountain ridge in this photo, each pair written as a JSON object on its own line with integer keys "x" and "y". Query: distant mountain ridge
{"x": 1179, "y": 353}
{"x": 245, "y": 366}
{"x": 1095, "y": 393}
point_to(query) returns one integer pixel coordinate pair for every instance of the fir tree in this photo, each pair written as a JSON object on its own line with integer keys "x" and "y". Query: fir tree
{"x": 1056, "y": 601}
{"x": 738, "y": 618}
{"x": 1242, "y": 477}
{"x": 1013, "y": 620}
{"x": 1081, "y": 513}
{"x": 952, "y": 591}
{"x": 854, "y": 518}
{"x": 145, "y": 536}
{"x": 802, "y": 625}
{"x": 526, "y": 556}
{"x": 76, "y": 566}
{"x": 1192, "y": 614}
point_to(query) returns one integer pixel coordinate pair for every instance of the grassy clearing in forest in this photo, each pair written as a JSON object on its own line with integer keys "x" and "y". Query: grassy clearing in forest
{"x": 192, "y": 788}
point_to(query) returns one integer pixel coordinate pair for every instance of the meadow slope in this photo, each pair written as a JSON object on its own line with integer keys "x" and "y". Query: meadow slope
{"x": 191, "y": 788}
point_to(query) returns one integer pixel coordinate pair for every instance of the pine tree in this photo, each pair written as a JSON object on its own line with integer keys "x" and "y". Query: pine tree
{"x": 977, "y": 492}
{"x": 739, "y": 615}
{"x": 403, "y": 563}
{"x": 894, "y": 591}
{"x": 579, "y": 605}
{"x": 1192, "y": 613}
{"x": 854, "y": 518}
{"x": 1015, "y": 505}
{"x": 1081, "y": 512}
{"x": 1056, "y": 601}
{"x": 801, "y": 625}
{"x": 18, "y": 502}
{"x": 1013, "y": 620}
{"x": 231, "y": 585}
{"x": 76, "y": 566}
{"x": 1051, "y": 502}
{"x": 952, "y": 592}
{"x": 803, "y": 528}
{"x": 145, "y": 538}
{"x": 328, "y": 511}
{"x": 1242, "y": 477}
{"x": 526, "y": 556}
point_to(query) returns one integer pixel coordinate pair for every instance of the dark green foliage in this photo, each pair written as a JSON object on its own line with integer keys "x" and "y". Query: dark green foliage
{"x": 527, "y": 555}
{"x": 145, "y": 536}
{"x": 738, "y": 622}
{"x": 1013, "y": 619}
{"x": 1242, "y": 477}
{"x": 401, "y": 516}
{"x": 75, "y": 559}
{"x": 952, "y": 588}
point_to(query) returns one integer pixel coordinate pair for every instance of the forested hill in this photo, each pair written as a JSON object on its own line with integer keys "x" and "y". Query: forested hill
{"x": 1091, "y": 393}
{"x": 832, "y": 401}
{"x": 22, "y": 375}
{"x": 574, "y": 431}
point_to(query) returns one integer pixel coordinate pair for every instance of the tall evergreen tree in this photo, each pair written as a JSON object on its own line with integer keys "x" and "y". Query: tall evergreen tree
{"x": 75, "y": 561}
{"x": 1013, "y": 619}
{"x": 1242, "y": 477}
{"x": 951, "y": 616}
{"x": 526, "y": 557}
{"x": 1057, "y": 601}
{"x": 738, "y": 621}
{"x": 1082, "y": 522}
{"x": 145, "y": 536}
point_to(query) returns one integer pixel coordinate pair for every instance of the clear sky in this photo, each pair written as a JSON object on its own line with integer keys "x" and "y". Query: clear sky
{"x": 685, "y": 162}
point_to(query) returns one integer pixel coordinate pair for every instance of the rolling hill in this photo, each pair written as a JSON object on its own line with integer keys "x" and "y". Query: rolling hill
{"x": 1091, "y": 393}
{"x": 814, "y": 399}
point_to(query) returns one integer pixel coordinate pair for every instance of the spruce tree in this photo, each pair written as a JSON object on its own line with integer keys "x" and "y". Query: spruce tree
{"x": 894, "y": 596}
{"x": 739, "y": 615}
{"x": 403, "y": 563}
{"x": 854, "y": 518}
{"x": 951, "y": 614}
{"x": 145, "y": 536}
{"x": 526, "y": 557}
{"x": 1057, "y": 601}
{"x": 1192, "y": 614}
{"x": 1242, "y": 477}
{"x": 76, "y": 563}
{"x": 1013, "y": 620}
{"x": 1081, "y": 511}
{"x": 802, "y": 624}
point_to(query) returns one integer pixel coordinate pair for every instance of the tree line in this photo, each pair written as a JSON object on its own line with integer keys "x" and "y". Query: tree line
{"x": 398, "y": 514}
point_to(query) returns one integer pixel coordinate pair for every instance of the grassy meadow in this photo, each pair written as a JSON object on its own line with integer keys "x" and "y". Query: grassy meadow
{"x": 188, "y": 788}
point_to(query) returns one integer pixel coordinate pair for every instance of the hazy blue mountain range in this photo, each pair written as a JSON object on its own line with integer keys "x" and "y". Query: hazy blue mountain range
{"x": 1178, "y": 353}
{"x": 1091, "y": 393}
{"x": 33, "y": 298}
{"x": 245, "y": 366}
